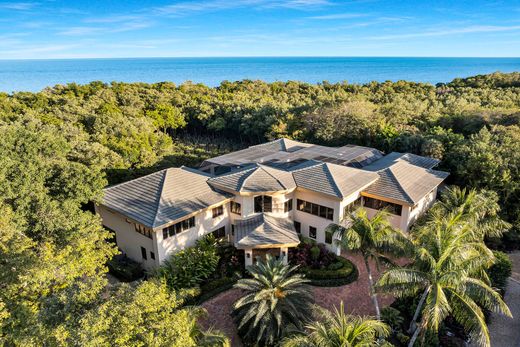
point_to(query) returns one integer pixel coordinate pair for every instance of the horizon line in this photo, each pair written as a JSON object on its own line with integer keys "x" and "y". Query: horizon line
{"x": 264, "y": 56}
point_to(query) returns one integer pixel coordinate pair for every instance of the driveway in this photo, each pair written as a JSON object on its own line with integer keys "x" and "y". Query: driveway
{"x": 355, "y": 297}
{"x": 505, "y": 332}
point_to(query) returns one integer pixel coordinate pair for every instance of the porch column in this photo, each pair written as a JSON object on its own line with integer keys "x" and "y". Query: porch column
{"x": 284, "y": 254}
{"x": 248, "y": 254}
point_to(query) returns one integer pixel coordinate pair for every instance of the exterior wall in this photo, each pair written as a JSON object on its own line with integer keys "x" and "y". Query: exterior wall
{"x": 421, "y": 207}
{"x": 307, "y": 219}
{"x": 128, "y": 240}
{"x": 395, "y": 220}
{"x": 204, "y": 224}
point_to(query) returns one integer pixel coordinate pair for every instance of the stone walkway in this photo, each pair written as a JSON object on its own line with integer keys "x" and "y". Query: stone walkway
{"x": 504, "y": 331}
{"x": 355, "y": 297}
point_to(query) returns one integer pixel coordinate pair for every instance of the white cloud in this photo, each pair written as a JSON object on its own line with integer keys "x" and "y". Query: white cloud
{"x": 338, "y": 16}
{"x": 18, "y": 6}
{"x": 447, "y": 32}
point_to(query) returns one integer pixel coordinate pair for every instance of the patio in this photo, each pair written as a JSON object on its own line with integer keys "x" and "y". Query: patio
{"x": 354, "y": 295}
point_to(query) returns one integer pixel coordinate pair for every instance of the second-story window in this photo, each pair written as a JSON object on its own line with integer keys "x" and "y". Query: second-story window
{"x": 141, "y": 229}
{"x": 179, "y": 227}
{"x": 236, "y": 208}
{"x": 287, "y": 206}
{"x": 263, "y": 203}
{"x": 315, "y": 209}
{"x": 218, "y": 211}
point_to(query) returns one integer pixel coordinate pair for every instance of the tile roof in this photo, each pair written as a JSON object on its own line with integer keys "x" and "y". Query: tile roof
{"x": 336, "y": 180}
{"x": 264, "y": 230}
{"x": 405, "y": 182}
{"x": 254, "y": 178}
{"x": 164, "y": 196}
{"x": 285, "y": 151}
{"x": 392, "y": 158}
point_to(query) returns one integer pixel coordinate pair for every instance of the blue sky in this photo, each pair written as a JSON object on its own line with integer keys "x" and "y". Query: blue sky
{"x": 146, "y": 28}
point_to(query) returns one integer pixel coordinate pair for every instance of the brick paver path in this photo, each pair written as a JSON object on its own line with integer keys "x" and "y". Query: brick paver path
{"x": 355, "y": 297}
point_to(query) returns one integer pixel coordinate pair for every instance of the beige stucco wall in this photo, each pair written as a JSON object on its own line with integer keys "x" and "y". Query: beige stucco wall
{"x": 128, "y": 240}
{"x": 204, "y": 224}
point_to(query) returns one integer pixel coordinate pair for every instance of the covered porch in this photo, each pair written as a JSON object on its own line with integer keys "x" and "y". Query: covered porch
{"x": 264, "y": 234}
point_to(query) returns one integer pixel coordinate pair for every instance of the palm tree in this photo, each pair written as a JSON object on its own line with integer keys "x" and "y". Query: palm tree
{"x": 373, "y": 238}
{"x": 480, "y": 208}
{"x": 276, "y": 299}
{"x": 204, "y": 338}
{"x": 449, "y": 272}
{"x": 338, "y": 329}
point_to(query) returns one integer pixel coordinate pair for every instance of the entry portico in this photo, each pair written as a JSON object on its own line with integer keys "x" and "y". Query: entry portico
{"x": 264, "y": 234}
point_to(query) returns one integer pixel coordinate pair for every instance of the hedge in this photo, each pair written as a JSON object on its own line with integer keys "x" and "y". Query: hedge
{"x": 215, "y": 287}
{"x": 333, "y": 276}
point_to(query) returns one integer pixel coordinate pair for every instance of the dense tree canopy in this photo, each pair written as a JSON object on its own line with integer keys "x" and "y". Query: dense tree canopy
{"x": 61, "y": 146}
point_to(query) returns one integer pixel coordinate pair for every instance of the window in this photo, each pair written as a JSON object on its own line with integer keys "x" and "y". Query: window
{"x": 312, "y": 232}
{"x": 236, "y": 207}
{"x": 219, "y": 233}
{"x": 143, "y": 253}
{"x": 377, "y": 204}
{"x": 328, "y": 237}
{"x": 178, "y": 228}
{"x": 152, "y": 255}
{"x": 287, "y": 206}
{"x": 232, "y": 229}
{"x": 218, "y": 211}
{"x": 298, "y": 227}
{"x": 315, "y": 209}
{"x": 352, "y": 206}
{"x": 263, "y": 203}
{"x": 141, "y": 229}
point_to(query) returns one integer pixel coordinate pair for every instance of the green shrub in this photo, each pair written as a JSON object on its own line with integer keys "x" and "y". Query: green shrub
{"x": 124, "y": 268}
{"x": 500, "y": 271}
{"x": 315, "y": 252}
{"x": 190, "y": 267}
{"x": 344, "y": 274}
{"x": 392, "y": 317}
{"x": 335, "y": 266}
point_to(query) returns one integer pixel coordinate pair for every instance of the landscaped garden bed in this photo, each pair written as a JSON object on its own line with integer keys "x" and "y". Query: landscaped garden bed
{"x": 322, "y": 267}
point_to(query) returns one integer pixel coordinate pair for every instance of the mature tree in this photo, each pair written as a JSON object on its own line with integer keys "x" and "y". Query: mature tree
{"x": 374, "y": 238}
{"x": 338, "y": 329}
{"x": 149, "y": 315}
{"x": 448, "y": 273}
{"x": 276, "y": 299}
{"x": 167, "y": 117}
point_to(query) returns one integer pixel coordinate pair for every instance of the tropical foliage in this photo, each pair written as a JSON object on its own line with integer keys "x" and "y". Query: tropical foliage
{"x": 190, "y": 267}
{"x": 374, "y": 238}
{"x": 276, "y": 301}
{"x": 448, "y": 273}
{"x": 338, "y": 329}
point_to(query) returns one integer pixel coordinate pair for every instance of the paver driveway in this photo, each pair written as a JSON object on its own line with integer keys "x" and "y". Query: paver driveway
{"x": 354, "y": 295}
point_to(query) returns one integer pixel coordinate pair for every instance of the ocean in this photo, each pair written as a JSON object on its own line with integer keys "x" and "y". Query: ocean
{"x": 34, "y": 75}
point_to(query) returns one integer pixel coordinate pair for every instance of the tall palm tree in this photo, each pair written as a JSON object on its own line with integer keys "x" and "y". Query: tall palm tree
{"x": 373, "y": 238}
{"x": 479, "y": 208}
{"x": 338, "y": 329}
{"x": 449, "y": 265}
{"x": 276, "y": 299}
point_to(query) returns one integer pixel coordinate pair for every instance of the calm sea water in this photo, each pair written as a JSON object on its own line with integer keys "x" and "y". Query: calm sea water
{"x": 33, "y": 75}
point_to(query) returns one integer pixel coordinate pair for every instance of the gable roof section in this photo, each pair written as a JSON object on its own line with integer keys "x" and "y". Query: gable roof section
{"x": 164, "y": 196}
{"x": 336, "y": 180}
{"x": 392, "y": 158}
{"x": 405, "y": 182}
{"x": 255, "y": 178}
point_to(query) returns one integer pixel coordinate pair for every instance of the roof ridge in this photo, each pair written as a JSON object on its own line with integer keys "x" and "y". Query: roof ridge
{"x": 161, "y": 190}
{"x": 252, "y": 169}
{"x": 329, "y": 173}
{"x": 399, "y": 183}
{"x": 267, "y": 171}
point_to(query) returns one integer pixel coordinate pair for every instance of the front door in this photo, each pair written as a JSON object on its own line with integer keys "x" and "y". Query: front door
{"x": 262, "y": 252}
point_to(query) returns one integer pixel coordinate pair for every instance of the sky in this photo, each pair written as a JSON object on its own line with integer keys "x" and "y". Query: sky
{"x": 48, "y": 29}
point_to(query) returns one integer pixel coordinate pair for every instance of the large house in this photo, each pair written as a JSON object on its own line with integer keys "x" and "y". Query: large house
{"x": 261, "y": 198}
